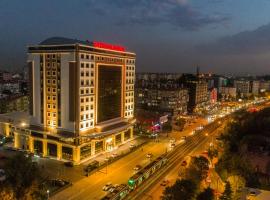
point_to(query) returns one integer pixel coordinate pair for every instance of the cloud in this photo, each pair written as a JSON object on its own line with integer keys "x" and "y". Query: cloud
{"x": 177, "y": 13}
{"x": 249, "y": 42}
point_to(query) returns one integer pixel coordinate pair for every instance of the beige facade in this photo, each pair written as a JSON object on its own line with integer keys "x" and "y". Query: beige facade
{"x": 82, "y": 99}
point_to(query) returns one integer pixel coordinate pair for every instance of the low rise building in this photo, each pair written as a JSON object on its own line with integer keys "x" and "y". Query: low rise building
{"x": 227, "y": 93}
{"x": 173, "y": 100}
{"x": 242, "y": 88}
{"x": 12, "y": 103}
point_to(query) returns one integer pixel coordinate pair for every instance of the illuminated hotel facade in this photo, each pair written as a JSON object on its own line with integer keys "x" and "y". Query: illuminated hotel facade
{"x": 82, "y": 99}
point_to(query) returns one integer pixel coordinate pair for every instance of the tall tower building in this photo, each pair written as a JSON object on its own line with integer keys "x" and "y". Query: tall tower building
{"x": 82, "y": 98}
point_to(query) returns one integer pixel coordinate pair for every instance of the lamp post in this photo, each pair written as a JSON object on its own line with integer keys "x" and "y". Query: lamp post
{"x": 48, "y": 194}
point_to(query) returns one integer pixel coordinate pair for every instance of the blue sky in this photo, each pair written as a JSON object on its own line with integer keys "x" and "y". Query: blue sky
{"x": 222, "y": 36}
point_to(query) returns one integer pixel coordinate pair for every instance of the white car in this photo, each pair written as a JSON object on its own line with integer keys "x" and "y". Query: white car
{"x": 113, "y": 188}
{"x": 107, "y": 186}
{"x": 149, "y": 155}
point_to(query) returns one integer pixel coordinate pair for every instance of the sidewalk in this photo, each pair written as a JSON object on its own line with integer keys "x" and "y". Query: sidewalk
{"x": 121, "y": 150}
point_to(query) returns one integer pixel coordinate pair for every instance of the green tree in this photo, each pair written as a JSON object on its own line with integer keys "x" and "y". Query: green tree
{"x": 21, "y": 174}
{"x": 181, "y": 190}
{"x": 227, "y": 194}
{"x": 207, "y": 194}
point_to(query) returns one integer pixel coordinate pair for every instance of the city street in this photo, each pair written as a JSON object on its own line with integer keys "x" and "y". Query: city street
{"x": 156, "y": 190}
{"x": 151, "y": 188}
{"x": 120, "y": 171}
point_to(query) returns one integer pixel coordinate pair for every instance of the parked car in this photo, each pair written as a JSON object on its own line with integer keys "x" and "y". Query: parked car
{"x": 164, "y": 183}
{"x": 107, "y": 186}
{"x": 114, "y": 188}
{"x": 137, "y": 167}
{"x": 149, "y": 155}
{"x": 172, "y": 145}
{"x": 184, "y": 163}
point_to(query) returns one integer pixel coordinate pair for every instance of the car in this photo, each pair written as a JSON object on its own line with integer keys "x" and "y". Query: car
{"x": 149, "y": 155}
{"x": 252, "y": 193}
{"x": 114, "y": 155}
{"x": 172, "y": 145}
{"x": 114, "y": 188}
{"x": 59, "y": 182}
{"x": 107, "y": 187}
{"x": 184, "y": 163}
{"x": 137, "y": 167}
{"x": 69, "y": 164}
{"x": 164, "y": 183}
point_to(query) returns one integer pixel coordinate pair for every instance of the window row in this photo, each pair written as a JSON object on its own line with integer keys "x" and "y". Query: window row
{"x": 129, "y": 87}
{"x": 86, "y": 108}
{"x": 128, "y": 61}
{"x": 87, "y": 82}
{"x": 109, "y": 59}
{"x": 51, "y": 106}
{"x": 87, "y": 91}
{"x": 130, "y": 100}
{"x": 51, "y": 98}
{"x": 129, "y": 113}
{"x": 86, "y": 124}
{"x": 86, "y": 65}
{"x": 87, "y": 73}
{"x": 51, "y": 114}
{"x": 52, "y": 73}
{"x": 49, "y": 56}
{"x": 52, "y": 64}
{"x": 51, "y": 123}
{"x": 131, "y": 68}
{"x": 51, "y": 81}
{"x": 87, "y": 116}
{"x": 87, "y": 56}
{"x": 129, "y": 107}
{"x": 86, "y": 99}
{"x": 129, "y": 94}
{"x": 53, "y": 90}
{"x": 129, "y": 81}
{"x": 130, "y": 73}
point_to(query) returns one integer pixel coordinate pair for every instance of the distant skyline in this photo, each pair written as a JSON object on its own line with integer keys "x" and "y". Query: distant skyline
{"x": 221, "y": 36}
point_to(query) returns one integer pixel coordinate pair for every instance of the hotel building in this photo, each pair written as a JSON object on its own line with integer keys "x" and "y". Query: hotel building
{"x": 81, "y": 99}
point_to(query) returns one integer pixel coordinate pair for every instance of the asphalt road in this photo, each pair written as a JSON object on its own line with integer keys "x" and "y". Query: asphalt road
{"x": 192, "y": 144}
{"x": 121, "y": 170}
{"x": 155, "y": 190}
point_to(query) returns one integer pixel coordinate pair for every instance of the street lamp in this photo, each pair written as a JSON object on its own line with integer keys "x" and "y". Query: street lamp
{"x": 48, "y": 194}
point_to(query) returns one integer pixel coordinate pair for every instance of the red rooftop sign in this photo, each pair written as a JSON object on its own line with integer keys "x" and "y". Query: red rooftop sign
{"x": 108, "y": 46}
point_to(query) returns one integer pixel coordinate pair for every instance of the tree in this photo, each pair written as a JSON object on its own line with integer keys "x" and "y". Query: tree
{"x": 21, "y": 174}
{"x": 182, "y": 189}
{"x": 227, "y": 194}
{"x": 198, "y": 169}
{"x": 207, "y": 194}
{"x": 212, "y": 153}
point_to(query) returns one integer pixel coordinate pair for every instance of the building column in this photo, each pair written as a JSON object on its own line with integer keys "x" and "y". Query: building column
{"x": 114, "y": 140}
{"x": 31, "y": 144}
{"x": 93, "y": 147}
{"x": 45, "y": 147}
{"x": 104, "y": 144}
{"x": 131, "y": 132}
{"x": 59, "y": 151}
{"x": 122, "y": 137}
{"x": 76, "y": 155}
{"x": 16, "y": 140}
